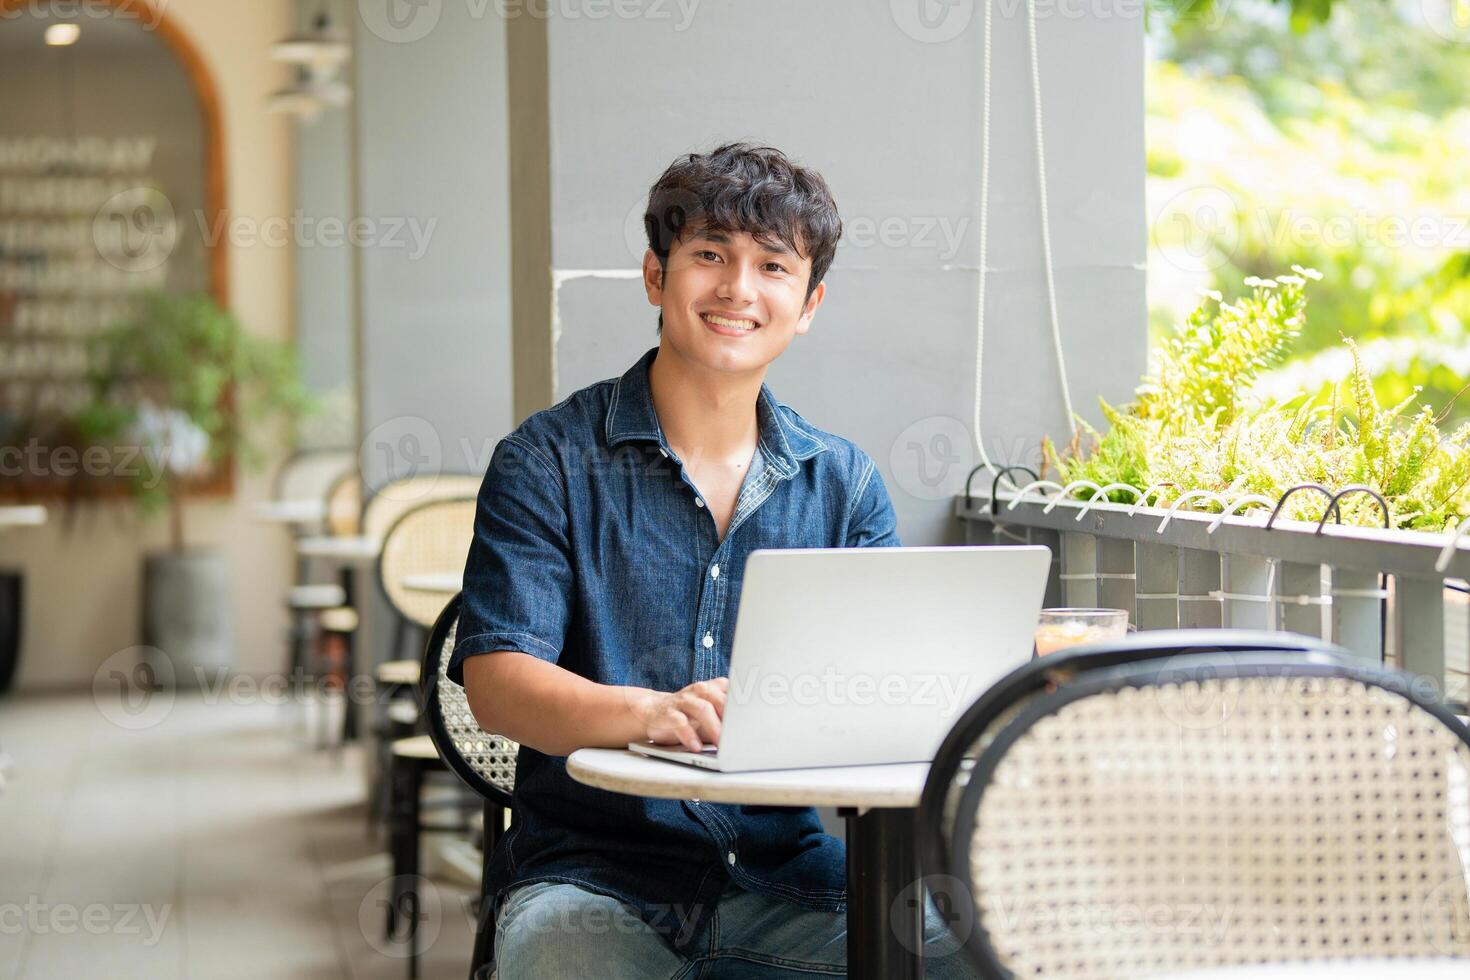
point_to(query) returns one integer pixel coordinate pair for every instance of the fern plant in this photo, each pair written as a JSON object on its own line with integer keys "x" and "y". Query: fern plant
{"x": 1195, "y": 424}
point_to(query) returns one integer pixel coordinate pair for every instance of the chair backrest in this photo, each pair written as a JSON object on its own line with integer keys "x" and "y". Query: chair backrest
{"x": 486, "y": 763}
{"x": 344, "y": 505}
{"x": 429, "y": 538}
{"x": 309, "y": 473}
{"x": 950, "y": 771}
{"x": 1215, "y": 811}
{"x": 388, "y": 502}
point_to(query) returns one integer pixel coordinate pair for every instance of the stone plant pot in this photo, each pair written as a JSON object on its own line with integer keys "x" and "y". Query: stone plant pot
{"x": 186, "y": 613}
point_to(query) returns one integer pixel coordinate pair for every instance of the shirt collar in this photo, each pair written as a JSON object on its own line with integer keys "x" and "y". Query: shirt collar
{"x": 630, "y": 416}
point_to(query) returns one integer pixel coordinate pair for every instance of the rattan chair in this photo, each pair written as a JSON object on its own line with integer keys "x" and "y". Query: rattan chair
{"x": 311, "y": 475}
{"x": 1214, "y": 810}
{"x": 950, "y": 771}
{"x": 430, "y": 537}
{"x": 427, "y": 538}
{"x": 486, "y": 763}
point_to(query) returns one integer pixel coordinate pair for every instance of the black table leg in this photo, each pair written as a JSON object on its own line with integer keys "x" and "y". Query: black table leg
{"x": 348, "y": 578}
{"x": 885, "y": 936}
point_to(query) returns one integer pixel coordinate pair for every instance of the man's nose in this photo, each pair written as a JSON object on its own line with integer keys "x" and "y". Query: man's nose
{"x": 738, "y": 283}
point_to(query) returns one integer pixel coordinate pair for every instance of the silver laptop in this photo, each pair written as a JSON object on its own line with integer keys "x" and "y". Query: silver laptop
{"x": 862, "y": 656}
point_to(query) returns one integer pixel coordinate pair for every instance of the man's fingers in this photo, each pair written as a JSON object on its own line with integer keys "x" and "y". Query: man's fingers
{"x": 714, "y": 694}
{"x": 704, "y": 717}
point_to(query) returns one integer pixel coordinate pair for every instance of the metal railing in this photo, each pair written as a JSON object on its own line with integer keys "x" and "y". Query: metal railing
{"x": 1389, "y": 596}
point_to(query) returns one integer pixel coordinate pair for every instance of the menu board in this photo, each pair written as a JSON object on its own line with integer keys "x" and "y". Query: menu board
{"x": 105, "y": 186}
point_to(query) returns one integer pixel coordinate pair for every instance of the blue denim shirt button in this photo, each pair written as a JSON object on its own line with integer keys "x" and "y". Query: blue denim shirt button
{"x": 709, "y": 640}
{"x": 714, "y": 572}
{"x": 698, "y": 502}
{"x": 730, "y": 857}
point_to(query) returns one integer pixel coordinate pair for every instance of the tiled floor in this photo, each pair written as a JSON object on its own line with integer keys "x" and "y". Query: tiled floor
{"x": 205, "y": 841}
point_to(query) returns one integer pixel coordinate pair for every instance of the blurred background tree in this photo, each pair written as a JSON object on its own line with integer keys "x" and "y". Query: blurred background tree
{"x": 1330, "y": 135}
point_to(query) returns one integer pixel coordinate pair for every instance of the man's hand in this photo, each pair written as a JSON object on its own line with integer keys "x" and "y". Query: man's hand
{"x": 690, "y": 716}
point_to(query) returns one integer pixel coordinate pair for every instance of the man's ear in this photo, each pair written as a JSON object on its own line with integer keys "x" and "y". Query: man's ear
{"x": 653, "y": 278}
{"x": 808, "y": 311}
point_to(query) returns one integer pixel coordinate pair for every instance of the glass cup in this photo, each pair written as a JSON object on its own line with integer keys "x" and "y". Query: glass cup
{"x": 1061, "y": 628}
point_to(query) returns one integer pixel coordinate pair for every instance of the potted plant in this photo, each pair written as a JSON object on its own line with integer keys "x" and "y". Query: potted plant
{"x": 178, "y": 393}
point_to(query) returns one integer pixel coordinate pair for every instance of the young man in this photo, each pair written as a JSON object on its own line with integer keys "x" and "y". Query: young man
{"x": 600, "y": 598}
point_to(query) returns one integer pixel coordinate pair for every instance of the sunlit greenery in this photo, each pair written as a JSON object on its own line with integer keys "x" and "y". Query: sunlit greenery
{"x": 1200, "y": 422}
{"x": 1344, "y": 147}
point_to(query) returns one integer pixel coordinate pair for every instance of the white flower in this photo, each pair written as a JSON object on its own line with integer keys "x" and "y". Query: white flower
{"x": 1292, "y": 280}
{"x": 1213, "y": 294}
{"x": 1259, "y": 282}
{"x": 1309, "y": 273}
{"x": 172, "y": 438}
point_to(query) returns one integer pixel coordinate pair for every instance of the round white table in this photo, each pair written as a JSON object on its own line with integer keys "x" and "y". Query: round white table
{"x": 439, "y": 582}
{"x": 884, "y": 934}
{"x": 291, "y": 511}
{"x": 349, "y": 548}
{"x": 22, "y": 515}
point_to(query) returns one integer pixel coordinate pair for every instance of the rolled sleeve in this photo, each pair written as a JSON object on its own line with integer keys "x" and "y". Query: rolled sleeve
{"x": 871, "y": 523}
{"x": 518, "y": 576}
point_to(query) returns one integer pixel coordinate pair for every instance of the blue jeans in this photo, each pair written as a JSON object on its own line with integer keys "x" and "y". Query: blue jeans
{"x": 556, "y": 931}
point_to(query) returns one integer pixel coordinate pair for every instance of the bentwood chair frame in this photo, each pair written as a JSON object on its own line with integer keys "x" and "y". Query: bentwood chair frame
{"x": 950, "y": 770}
{"x": 486, "y": 763}
{"x": 1284, "y": 899}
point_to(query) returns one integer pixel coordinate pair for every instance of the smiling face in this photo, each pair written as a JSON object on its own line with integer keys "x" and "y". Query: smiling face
{"x": 730, "y": 302}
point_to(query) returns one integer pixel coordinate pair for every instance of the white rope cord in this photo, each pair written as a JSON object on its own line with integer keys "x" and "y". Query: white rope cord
{"x": 1051, "y": 286}
{"x": 984, "y": 232}
{"x": 1051, "y": 292}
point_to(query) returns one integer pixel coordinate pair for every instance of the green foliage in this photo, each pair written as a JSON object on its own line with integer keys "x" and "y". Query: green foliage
{"x": 184, "y": 372}
{"x": 1198, "y": 423}
{"x": 1341, "y": 148}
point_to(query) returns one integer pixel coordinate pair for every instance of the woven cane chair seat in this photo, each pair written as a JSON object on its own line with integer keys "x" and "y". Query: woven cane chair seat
{"x": 392, "y": 500}
{"x": 486, "y": 762}
{"x": 1139, "y": 824}
{"x": 430, "y": 538}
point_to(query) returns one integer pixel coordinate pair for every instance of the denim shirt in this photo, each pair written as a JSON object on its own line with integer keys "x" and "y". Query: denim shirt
{"x": 593, "y": 550}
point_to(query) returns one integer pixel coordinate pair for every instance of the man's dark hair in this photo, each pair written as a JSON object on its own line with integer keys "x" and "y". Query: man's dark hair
{"x": 743, "y": 187}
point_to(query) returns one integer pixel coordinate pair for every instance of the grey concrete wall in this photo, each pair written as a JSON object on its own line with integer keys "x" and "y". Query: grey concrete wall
{"x": 324, "y": 279}
{"x": 436, "y": 320}
{"x": 888, "y": 107}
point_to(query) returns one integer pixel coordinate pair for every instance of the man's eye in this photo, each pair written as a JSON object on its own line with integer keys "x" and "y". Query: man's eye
{"x": 775, "y": 266}
{"x": 706, "y": 253}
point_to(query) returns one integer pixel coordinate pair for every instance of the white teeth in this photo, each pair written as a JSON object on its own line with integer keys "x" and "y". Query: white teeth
{"x": 745, "y": 325}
